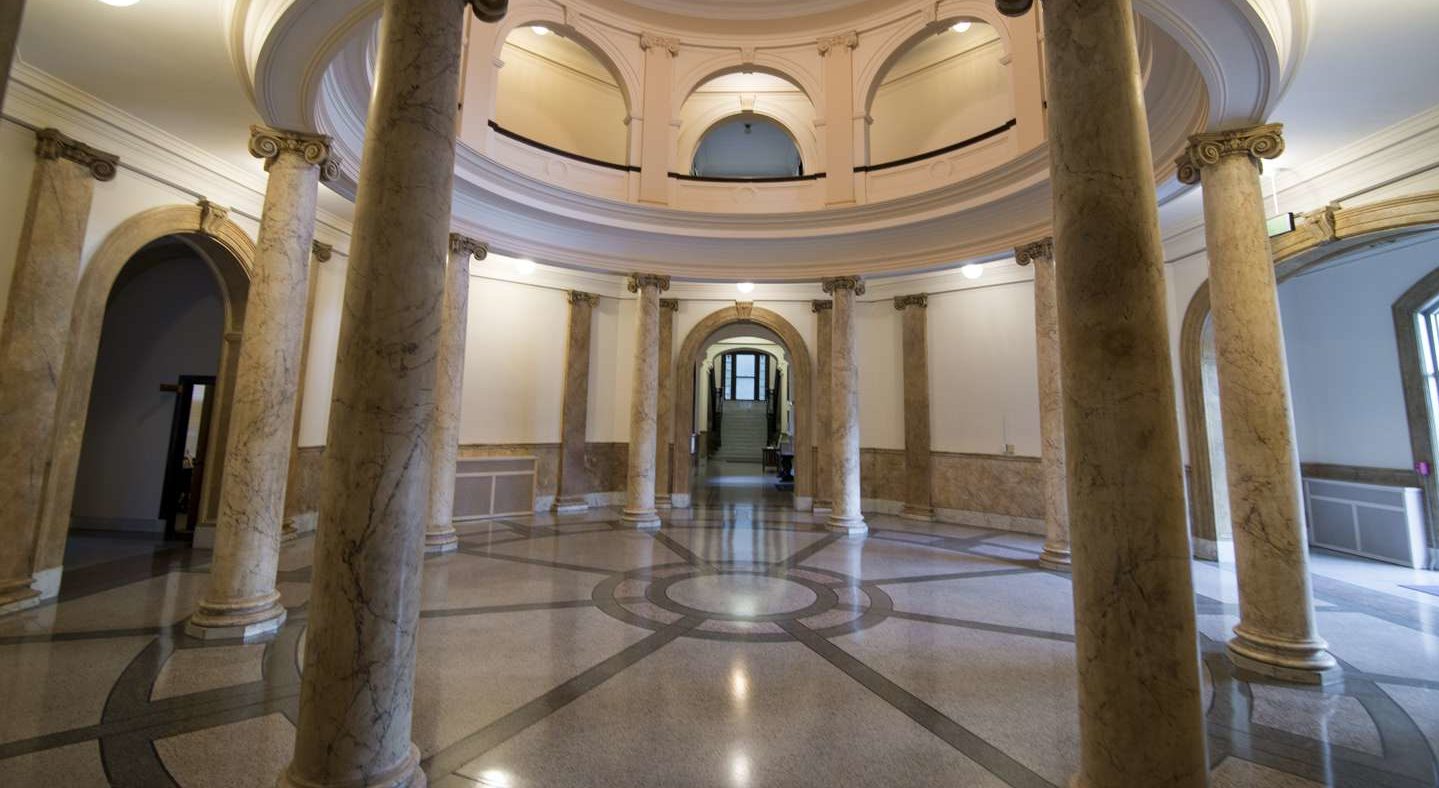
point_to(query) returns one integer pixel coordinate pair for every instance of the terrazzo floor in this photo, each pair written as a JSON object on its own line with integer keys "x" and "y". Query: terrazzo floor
{"x": 740, "y": 645}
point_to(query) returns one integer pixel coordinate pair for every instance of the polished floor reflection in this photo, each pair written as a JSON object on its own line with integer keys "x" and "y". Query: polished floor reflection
{"x": 740, "y": 645}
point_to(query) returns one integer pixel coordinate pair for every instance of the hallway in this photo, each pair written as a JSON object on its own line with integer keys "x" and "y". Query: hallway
{"x": 739, "y": 645}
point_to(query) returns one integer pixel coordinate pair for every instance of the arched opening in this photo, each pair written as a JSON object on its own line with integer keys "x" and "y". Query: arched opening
{"x": 748, "y": 124}
{"x": 747, "y": 145}
{"x": 948, "y": 85}
{"x": 554, "y": 90}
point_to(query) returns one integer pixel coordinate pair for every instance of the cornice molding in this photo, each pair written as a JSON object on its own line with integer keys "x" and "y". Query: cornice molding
{"x": 1206, "y": 150}
{"x": 51, "y": 144}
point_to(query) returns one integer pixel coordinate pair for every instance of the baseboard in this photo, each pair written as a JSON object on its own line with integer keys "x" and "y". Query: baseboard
{"x": 997, "y": 522}
{"x": 145, "y": 525}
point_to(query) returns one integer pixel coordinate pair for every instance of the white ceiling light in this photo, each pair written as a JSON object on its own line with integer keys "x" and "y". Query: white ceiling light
{"x": 119, "y": 3}
{"x": 960, "y": 27}
{"x": 525, "y": 267}
{"x": 745, "y": 287}
{"x": 539, "y": 30}
{"x": 973, "y": 271}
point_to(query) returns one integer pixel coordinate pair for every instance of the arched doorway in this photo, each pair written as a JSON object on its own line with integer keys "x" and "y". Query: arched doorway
{"x": 193, "y": 235}
{"x": 735, "y": 322}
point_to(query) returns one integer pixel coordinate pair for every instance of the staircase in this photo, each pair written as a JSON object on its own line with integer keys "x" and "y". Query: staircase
{"x": 743, "y": 431}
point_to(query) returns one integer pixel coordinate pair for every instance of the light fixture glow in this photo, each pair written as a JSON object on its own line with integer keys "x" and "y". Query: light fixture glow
{"x": 973, "y": 270}
{"x": 960, "y": 27}
{"x": 745, "y": 287}
{"x": 525, "y": 267}
{"x": 495, "y": 779}
{"x": 119, "y": 3}
{"x": 539, "y": 30}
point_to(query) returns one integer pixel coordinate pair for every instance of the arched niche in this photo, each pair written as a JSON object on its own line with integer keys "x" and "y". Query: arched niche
{"x": 759, "y": 92}
{"x": 685, "y": 367}
{"x": 747, "y": 145}
{"x": 230, "y": 254}
{"x": 557, "y": 87}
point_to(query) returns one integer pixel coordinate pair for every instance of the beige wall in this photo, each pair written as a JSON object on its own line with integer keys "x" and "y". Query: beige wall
{"x": 554, "y": 91}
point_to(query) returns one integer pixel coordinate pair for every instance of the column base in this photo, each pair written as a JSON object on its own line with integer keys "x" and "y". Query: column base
{"x": 1297, "y": 662}
{"x": 1057, "y": 558}
{"x": 570, "y": 504}
{"x": 852, "y": 525}
{"x": 640, "y": 518}
{"x": 664, "y": 502}
{"x": 437, "y": 542}
{"x": 924, "y": 514}
{"x": 249, "y": 622}
{"x": 407, "y": 775}
{"x": 16, "y": 599}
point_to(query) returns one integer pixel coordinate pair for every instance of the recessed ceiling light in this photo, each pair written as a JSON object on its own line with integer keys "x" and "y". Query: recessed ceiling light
{"x": 539, "y": 30}
{"x": 745, "y": 287}
{"x": 119, "y": 3}
{"x": 960, "y": 27}
{"x": 525, "y": 267}
{"x": 973, "y": 271}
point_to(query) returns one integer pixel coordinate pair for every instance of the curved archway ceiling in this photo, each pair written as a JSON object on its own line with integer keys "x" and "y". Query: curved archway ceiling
{"x": 556, "y": 92}
{"x": 747, "y": 146}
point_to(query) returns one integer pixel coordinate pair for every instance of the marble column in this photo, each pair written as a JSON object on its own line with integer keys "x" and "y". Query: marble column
{"x": 918, "y": 496}
{"x": 440, "y": 534}
{"x": 574, "y": 479}
{"x": 824, "y": 441}
{"x": 242, "y": 601}
{"x": 1277, "y": 635}
{"x": 665, "y": 434}
{"x": 639, "y": 508}
{"x": 319, "y": 253}
{"x": 33, "y": 338}
{"x": 844, "y": 514}
{"x": 1141, "y": 720}
{"x": 359, "y": 664}
{"x": 10, "y": 15}
{"x": 1055, "y": 554}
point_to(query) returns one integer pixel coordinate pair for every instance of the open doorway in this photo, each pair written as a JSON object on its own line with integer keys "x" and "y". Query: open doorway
{"x": 745, "y": 406}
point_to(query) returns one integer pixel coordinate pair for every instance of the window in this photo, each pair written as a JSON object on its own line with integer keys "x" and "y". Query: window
{"x": 745, "y": 375}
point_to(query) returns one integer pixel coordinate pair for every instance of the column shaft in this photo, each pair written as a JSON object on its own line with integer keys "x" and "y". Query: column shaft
{"x": 355, "y": 699}
{"x": 844, "y": 515}
{"x": 1055, "y": 554}
{"x": 33, "y": 340}
{"x": 823, "y": 397}
{"x": 574, "y": 479}
{"x": 242, "y": 600}
{"x": 639, "y": 508}
{"x": 1277, "y": 635}
{"x": 1141, "y": 722}
{"x": 320, "y": 253}
{"x": 440, "y": 534}
{"x": 665, "y": 433}
{"x": 918, "y": 499}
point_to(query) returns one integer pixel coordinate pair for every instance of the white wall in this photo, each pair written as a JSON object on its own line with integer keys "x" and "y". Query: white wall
{"x": 514, "y": 359}
{"x": 879, "y": 337}
{"x": 1343, "y": 357}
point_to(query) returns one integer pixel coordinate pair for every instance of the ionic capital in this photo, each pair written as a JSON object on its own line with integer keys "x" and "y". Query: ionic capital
{"x": 843, "y": 283}
{"x": 51, "y": 144}
{"x": 848, "y": 40}
{"x": 1039, "y": 250}
{"x": 818, "y": 305}
{"x": 920, "y": 300}
{"x": 489, "y": 10}
{"x": 672, "y": 304}
{"x": 463, "y": 244}
{"x": 321, "y": 251}
{"x": 581, "y": 297}
{"x": 638, "y": 281}
{"x": 650, "y": 41}
{"x": 1205, "y": 150}
{"x": 269, "y": 144}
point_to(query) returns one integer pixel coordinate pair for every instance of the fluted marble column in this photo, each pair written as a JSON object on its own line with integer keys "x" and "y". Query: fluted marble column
{"x": 359, "y": 666}
{"x": 824, "y": 416}
{"x": 33, "y": 340}
{"x": 665, "y": 433}
{"x": 1141, "y": 722}
{"x": 1277, "y": 635}
{"x": 319, "y": 253}
{"x": 440, "y": 534}
{"x": 639, "y": 508}
{"x": 918, "y": 498}
{"x": 242, "y": 600}
{"x": 1055, "y": 554}
{"x": 574, "y": 480}
{"x": 844, "y": 515}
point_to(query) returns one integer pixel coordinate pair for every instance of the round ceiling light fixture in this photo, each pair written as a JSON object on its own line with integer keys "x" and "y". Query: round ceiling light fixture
{"x": 120, "y": 3}
{"x": 539, "y": 30}
{"x": 973, "y": 270}
{"x": 745, "y": 287}
{"x": 525, "y": 267}
{"x": 962, "y": 26}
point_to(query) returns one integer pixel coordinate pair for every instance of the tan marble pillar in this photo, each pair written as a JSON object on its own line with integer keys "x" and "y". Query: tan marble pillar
{"x": 665, "y": 434}
{"x": 844, "y": 515}
{"x": 320, "y": 253}
{"x": 824, "y": 441}
{"x": 574, "y": 480}
{"x": 656, "y": 147}
{"x": 33, "y": 338}
{"x": 359, "y": 665}
{"x": 242, "y": 601}
{"x": 1055, "y": 554}
{"x": 1277, "y": 635}
{"x": 837, "y": 59}
{"x": 918, "y": 498}
{"x": 1141, "y": 722}
{"x": 639, "y": 508}
{"x": 10, "y": 15}
{"x": 440, "y": 534}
